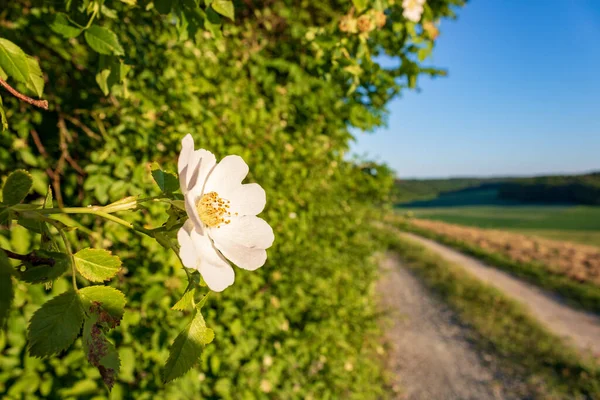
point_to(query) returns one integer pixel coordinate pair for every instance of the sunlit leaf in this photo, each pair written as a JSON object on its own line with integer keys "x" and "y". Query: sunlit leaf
{"x": 106, "y": 301}
{"x": 97, "y": 265}
{"x": 103, "y": 40}
{"x": 13, "y": 61}
{"x": 186, "y": 302}
{"x": 187, "y": 348}
{"x": 224, "y": 7}
{"x": 62, "y": 26}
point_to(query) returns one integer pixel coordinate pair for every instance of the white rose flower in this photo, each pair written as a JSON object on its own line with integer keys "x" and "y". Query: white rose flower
{"x": 413, "y": 9}
{"x": 222, "y": 213}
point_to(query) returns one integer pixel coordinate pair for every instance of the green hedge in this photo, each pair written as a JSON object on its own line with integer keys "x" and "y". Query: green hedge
{"x": 281, "y": 86}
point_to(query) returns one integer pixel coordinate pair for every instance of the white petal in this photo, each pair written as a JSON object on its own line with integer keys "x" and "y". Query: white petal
{"x": 206, "y": 161}
{"x": 248, "y": 199}
{"x": 187, "y": 250}
{"x": 190, "y": 199}
{"x": 247, "y": 231}
{"x": 227, "y": 175}
{"x": 193, "y": 166}
{"x": 213, "y": 267}
{"x": 243, "y": 257}
{"x": 187, "y": 149}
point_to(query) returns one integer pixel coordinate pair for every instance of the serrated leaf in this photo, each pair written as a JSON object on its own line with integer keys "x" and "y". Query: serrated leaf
{"x": 103, "y": 41}
{"x": 186, "y": 302}
{"x": 6, "y": 287}
{"x": 107, "y": 302}
{"x": 17, "y": 186}
{"x": 100, "y": 352}
{"x": 45, "y": 272}
{"x": 187, "y": 348}
{"x": 63, "y": 27}
{"x": 55, "y": 325}
{"x": 224, "y": 7}
{"x": 97, "y": 265}
{"x": 13, "y": 61}
{"x": 166, "y": 181}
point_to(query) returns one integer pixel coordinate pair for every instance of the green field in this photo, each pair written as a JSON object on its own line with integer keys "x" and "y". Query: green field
{"x": 482, "y": 209}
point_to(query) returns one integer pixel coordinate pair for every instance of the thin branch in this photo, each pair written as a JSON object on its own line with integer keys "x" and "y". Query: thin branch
{"x": 38, "y": 143}
{"x": 31, "y": 258}
{"x": 38, "y": 103}
{"x": 81, "y": 125}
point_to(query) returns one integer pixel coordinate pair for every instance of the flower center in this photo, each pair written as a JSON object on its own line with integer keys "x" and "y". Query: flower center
{"x": 213, "y": 210}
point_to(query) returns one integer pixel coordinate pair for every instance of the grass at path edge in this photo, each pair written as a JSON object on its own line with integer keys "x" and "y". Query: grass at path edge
{"x": 581, "y": 295}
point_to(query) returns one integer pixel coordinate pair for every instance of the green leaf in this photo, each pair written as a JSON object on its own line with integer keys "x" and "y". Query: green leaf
{"x": 166, "y": 181}
{"x": 112, "y": 72}
{"x": 13, "y": 61}
{"x": 103, "y": 40}
{"x": 3, "y": 116}
{"x": 45, "y": 272}
{"x": 186, "y": 302}
{"x": 6, "y": 287}
{"x": 35, "y": 79}
{"x": 130, "y": 2}
{"x": 100, "y": 352}
{"x": 107, "y": 302}
{"x": 17, "y": 186}
{"x": 187, "y": 348}
{"x": 224, "y": 7}
{"x": 62, "y": 26}
{"x": 360, "y": 5}
{"x": 55, "y": 325}
{"x": 5, "y": 216}
{"x": 102, "y": 80}
{"x": 97, "y": 265}
{"x": 48, "y": 199}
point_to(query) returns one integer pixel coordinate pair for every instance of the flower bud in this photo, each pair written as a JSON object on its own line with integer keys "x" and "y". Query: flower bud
{"x": 365, "y": 23}
{"x": 431, "y": 30}
{"x": 348, "y": 24}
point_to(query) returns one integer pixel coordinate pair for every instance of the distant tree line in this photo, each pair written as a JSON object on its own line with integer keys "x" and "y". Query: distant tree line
{"x": 578, "y": 189}
{"x": 574, "y": 189}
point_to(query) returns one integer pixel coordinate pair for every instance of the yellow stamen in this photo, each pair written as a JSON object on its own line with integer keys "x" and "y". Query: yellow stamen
{"x": 213, "y": 210}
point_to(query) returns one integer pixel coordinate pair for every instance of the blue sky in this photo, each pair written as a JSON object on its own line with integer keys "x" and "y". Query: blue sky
{"x": 522, "y": 96}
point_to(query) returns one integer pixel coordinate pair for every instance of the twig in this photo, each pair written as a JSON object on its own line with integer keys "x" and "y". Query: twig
{"x": 31, "y": 258}
{"x": 81, "y": 125}
{"x": 38, "y": 103}
{"x": 38, "y": 143}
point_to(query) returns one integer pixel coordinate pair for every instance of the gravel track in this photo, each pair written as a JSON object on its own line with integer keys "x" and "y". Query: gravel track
{"x": 431, "y": 353}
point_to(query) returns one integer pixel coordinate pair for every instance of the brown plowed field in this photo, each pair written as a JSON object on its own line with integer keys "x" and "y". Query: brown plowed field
{"x": 577, "y": 261}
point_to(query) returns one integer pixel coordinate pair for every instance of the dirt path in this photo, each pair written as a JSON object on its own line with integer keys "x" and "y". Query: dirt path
{"x": 581, "y": 329}
{"x": 431, "y": 355}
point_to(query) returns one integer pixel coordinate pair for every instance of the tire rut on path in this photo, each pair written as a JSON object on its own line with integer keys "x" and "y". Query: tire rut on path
{"x": 578, "y": 328}
{"x": 431, "y": 355}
